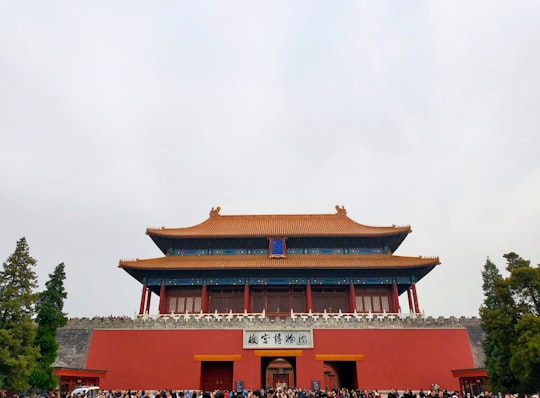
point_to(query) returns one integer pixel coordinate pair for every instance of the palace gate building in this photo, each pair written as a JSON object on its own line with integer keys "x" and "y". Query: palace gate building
{"x": 249, "y": 301}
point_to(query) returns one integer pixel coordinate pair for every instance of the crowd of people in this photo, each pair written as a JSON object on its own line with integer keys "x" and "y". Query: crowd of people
{"x": 290, "y": 393}
{"x": 306, "y": 393}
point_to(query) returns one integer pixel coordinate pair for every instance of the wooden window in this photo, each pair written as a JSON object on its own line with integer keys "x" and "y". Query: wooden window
{"x": 278, "y": 303}
{"x": 172, "y": 304}
{"x": 278, "y": 300}
{"x": 257, "y": 302}
{"x": 331, "y": 299}
{"x": 197, "y": 304}
{"x": 181, "y": 306}
{"x": 189, "y": 304}
{"x": 298, "y": 302}
{"x": 385, "y": 303}
{"x": 226, "y": 300}
{"x": 360, "y": 304}
{"x": 367, "y": 304}
{"x": 376, "y": 303}
{"x": 184, "y": 300}
{"x": 373, "y": 298}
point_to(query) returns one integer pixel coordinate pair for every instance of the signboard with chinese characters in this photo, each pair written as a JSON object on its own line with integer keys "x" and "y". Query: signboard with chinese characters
{"x": 258, "y": 339}
{"x": 277, "y": 247}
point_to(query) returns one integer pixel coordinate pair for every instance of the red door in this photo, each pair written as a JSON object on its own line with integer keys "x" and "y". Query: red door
{"x": 217, "y": 376}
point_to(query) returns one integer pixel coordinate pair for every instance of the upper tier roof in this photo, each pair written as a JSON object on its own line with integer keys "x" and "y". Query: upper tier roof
{"x": 305, "y": 225}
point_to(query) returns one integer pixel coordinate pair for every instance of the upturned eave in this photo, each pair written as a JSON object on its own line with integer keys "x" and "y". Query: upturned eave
{"x": 301, "y": 261}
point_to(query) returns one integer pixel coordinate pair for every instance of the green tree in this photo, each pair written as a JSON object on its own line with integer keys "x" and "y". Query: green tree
{"x": 490, "y": 276}
{"x": 511, "y": 323}
{"x": 50, "y": 317}
{"x": 497, "y": 319}
{"x": 525, "y": 360}
{"x": 18, "y": 353}
{"x": 524, "y": 284}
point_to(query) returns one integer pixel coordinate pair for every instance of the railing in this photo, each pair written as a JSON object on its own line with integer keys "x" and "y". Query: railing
{"x": 201, "y": 316}
{"x": 293, "y": 316}
{"x": 358, "y": 316}
{"x": 262, "y": 320}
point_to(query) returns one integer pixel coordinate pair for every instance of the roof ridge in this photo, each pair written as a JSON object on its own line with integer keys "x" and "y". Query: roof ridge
{"x": 264, "y": 225}
{"x": 340, "y": 211}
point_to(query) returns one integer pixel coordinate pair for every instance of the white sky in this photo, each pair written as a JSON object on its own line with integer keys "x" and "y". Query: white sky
{"x": 118, "y": 116}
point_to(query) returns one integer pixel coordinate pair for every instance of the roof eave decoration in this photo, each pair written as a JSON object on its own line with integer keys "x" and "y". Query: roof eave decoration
{"x": 215, "y": 212}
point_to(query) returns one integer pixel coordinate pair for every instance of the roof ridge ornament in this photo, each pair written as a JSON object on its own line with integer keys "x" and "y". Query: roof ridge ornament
{"x": 215, "y": 212}
{"x": 341, "y": 210}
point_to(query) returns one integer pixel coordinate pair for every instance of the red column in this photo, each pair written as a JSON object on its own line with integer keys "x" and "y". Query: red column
{"x": 148, "y": 297}
{"x": 409, "y": 298}
{"x": 204, "y": 299}
{"x": 309, "y": 302}
{"x": 162, "y": 299}
{"x": 143, "y": 299}
{"x": 396, "y": 297}
{"x": 352, "y": 298}
{"x": 416, "y": 306}
{"x": 246, "y": 298}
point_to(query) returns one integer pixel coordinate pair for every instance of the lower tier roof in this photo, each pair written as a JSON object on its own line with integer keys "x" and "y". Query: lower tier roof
{"x": 300, "y": 261}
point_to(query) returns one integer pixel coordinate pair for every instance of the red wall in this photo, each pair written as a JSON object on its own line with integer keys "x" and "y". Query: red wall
{"x": 401, "y": 358}
{"x": 164, "y": 359}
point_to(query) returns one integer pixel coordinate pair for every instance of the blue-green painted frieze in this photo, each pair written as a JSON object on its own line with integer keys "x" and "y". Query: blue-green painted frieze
{"x": 264, "y": 281}
{"x": 292, "y": 250}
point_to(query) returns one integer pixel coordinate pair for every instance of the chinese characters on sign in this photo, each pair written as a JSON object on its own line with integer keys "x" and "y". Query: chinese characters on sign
{"x": 277, "y": 247}
{"x": 278, "y": 339}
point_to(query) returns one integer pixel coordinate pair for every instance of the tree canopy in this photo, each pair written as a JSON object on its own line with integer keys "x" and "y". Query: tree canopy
{"x": 18, "y": 353}
{"x": 50, "y": 317}
{"x": 28, "y": 322}
{"x": 510, "y": 317}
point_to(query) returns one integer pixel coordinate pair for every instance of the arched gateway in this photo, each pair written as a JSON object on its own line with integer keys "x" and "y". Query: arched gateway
{"x": 241, "y": 295}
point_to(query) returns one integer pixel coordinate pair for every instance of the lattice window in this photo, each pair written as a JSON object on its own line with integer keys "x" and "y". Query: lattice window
{"x": 197, "y": 304}
{"x": 367, "y": 304}
{"x": 385, "y": 303}
{"x": 172, "y": 304}
{"x": 359, "y": 304}
{"x": 226, "y": 300}
{"x": 182, "y": 301}
{"x": 376, "y": 303}
{"x": 331, "y": 299}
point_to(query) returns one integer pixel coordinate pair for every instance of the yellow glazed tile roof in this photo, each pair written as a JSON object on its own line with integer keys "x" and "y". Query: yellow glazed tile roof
{"x": 306, "y": 261}
{"x": 337, "y": 224}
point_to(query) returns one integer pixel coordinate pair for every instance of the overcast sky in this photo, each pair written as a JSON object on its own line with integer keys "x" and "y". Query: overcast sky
{"x": 118, "y": 116}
